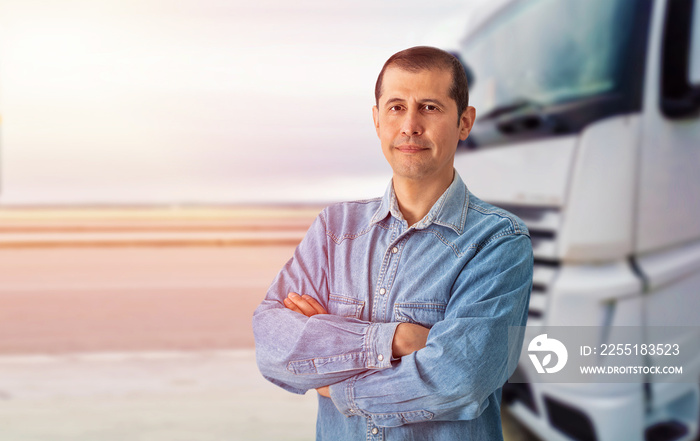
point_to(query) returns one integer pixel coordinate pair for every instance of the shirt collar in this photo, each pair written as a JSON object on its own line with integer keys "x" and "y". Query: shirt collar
{"x": 450, "y": 210}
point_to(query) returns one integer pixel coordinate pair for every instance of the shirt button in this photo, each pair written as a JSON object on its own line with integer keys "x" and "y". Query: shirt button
{"x": 394, "y": 250}
{"x": 380, "y": 357}
{"x": 375, "y": 431}
{"x": 382, "y": 291}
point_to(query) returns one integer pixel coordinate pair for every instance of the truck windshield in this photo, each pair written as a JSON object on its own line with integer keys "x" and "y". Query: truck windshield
{"x": 548, "y": 51}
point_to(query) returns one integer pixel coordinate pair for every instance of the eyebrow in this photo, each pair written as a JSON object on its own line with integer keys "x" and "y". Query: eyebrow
{"x": 424, "y": 101}
{"x": 433, "y": 101}
{"x": 394, "y": 100}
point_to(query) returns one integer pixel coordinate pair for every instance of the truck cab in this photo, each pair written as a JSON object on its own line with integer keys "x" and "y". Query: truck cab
{"x": 588, "y": 128}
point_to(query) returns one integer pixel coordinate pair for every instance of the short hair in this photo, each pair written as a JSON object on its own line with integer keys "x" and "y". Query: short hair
{"x": 420, "y": 58}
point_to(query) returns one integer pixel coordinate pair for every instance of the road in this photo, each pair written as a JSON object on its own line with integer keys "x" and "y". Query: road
{"x": 60, "y": 300}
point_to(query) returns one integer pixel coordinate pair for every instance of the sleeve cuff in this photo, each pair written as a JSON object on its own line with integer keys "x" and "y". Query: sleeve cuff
{"x": 378, "y": 345}
{"x": 342, "y": 397}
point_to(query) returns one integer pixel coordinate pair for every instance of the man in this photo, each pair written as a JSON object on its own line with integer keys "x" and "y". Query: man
{"x": 397, "y": 309}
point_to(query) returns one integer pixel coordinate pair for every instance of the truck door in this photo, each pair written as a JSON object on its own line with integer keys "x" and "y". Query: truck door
{"x": 667, "y": 237}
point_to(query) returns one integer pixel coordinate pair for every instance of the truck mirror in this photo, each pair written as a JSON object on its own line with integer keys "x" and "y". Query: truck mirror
{"x": 694, "y": 62}
{"x": 680, "y": 70}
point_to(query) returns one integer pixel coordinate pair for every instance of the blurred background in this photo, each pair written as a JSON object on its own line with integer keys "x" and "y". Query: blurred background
{"x": 211, "y": 102}
{"x": 161, "y": 160}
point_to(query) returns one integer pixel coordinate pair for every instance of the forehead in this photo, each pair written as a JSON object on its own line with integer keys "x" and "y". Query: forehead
{"x": 420, "y": 85}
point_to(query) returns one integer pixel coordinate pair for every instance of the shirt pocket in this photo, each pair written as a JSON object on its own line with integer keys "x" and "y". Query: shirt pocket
{"x": 421, "y": 313}
{"x": 345, "y": 306}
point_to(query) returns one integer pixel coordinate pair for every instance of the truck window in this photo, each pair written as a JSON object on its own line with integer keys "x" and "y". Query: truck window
{"x": 549, "y": 51}
{"x": 546, "y": 68}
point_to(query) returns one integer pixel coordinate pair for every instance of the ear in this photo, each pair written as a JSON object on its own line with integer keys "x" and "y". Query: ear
{"x": 375, "y": 117}
{"x": 466, "y": 121}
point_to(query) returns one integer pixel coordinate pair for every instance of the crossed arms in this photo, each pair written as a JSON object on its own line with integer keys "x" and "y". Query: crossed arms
{"x": 408, "y": 337}
{"x": 450, "y": 375}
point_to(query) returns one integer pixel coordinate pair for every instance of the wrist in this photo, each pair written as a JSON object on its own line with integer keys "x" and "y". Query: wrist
{"x": 408, "y": 338}
{"x": 398, "y": 343}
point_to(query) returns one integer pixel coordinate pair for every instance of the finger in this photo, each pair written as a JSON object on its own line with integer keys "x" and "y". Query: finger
{"x": 314, "y": 304}
{"x": 290, "y": 305}
{"x": 302, "y": 304}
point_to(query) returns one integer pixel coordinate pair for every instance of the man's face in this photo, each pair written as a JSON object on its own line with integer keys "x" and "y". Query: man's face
{"x": 417, "y": 123}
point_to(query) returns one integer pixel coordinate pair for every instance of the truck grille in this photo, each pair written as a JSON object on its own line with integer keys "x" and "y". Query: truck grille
{"x": 543, "y": 224}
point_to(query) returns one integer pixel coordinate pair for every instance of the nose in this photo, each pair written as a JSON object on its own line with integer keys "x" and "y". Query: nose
{"x": 412, "y": 124}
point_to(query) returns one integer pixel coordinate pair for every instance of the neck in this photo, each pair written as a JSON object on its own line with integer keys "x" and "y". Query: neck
{"x": 417, "y": 197}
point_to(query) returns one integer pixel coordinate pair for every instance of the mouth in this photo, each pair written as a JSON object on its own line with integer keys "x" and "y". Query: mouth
{"x": 410, "y": 148}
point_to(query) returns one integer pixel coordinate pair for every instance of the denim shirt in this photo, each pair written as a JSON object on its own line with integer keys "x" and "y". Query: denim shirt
{"x": 464, "y": 271}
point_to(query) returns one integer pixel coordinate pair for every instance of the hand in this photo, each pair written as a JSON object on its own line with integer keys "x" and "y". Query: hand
{"x": 305, "y": 304}
{"x": 408, "y": 338}
{"x": 308, "y": 306}
{"x": 324, "y": 391}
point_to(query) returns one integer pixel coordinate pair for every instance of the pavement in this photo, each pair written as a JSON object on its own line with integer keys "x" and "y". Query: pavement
{"x": 148, "y": 396}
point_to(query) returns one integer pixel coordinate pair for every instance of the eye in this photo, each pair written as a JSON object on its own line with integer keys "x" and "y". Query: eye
{"x": 430, "y": 107}
{"x": 395, "y": 108}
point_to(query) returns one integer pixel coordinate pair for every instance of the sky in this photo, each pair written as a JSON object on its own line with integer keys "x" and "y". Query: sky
{"x": 200, "y": 102}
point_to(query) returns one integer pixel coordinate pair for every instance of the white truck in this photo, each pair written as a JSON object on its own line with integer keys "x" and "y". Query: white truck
{"x": 588, "y": 129}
